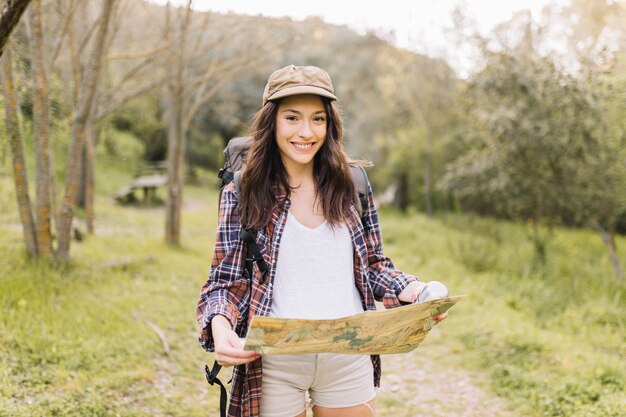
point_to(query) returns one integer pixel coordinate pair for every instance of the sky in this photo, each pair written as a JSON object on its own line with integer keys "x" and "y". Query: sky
{"x": 411, "y": 20}
{"x": 419, "y": 25}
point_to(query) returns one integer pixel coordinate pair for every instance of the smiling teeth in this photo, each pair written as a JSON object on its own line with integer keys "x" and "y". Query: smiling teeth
{"x": 303, "y": 147}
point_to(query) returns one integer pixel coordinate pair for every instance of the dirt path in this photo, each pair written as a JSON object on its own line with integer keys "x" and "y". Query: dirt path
{"x": 419, "y": 384}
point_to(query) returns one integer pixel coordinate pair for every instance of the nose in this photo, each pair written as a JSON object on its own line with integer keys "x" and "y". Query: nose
{"x": 305, "y": 131}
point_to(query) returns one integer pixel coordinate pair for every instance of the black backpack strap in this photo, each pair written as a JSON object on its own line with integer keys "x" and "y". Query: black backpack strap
{"x": 212, "y": 379}
{"x": 254, "y": 253}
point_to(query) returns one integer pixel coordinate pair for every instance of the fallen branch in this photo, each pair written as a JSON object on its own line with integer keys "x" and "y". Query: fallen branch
{"x": 159, "y": 332}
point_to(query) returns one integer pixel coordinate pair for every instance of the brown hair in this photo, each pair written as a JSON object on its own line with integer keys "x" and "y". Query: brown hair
{"x": 265, "y": 176}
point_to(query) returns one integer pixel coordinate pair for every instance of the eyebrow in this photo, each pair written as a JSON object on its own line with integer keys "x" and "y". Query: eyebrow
{"x": 298, "y": 112}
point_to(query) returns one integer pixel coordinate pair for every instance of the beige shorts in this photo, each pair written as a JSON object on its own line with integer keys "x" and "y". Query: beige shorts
{"x": 331, "y": 380}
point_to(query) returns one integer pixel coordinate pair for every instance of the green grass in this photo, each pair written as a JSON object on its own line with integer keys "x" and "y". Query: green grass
{"x": 74, "y": 337}
{"x": 72, "y": 344}
{"x": 550, "y": 338}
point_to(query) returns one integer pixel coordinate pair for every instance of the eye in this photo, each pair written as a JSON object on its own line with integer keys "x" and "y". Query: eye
{"x": 320, "y": 119}
{"x": 291, "y": 118}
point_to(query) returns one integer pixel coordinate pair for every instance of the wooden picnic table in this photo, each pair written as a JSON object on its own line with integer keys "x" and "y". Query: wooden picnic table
{"x": 147, "y": 183}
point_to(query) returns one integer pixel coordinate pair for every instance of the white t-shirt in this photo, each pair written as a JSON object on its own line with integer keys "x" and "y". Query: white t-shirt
{"x": 314, "y": 273}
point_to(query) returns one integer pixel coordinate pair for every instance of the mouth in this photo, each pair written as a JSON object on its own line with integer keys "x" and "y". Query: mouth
{"x": 303, "y": 147}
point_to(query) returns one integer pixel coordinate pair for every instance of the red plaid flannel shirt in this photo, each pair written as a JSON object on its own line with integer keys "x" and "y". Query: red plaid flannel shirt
{"x": 230, "y": 292}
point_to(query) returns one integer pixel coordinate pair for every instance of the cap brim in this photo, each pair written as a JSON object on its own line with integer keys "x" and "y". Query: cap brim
{"x": 301, "y": 89}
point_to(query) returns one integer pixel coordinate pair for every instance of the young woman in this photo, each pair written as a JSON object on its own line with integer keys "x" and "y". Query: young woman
{"x": 297, "y": 193}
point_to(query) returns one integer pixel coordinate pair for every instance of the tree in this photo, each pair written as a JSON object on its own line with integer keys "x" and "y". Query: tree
{"x": 79, "y": 130}
{"x": 9, "y": 17}
{"x": 599, "y": 195}
{"x": 602, "y": 196}
{"x": 430, "y": 106}
{"x": 41, "y": 121}
{"x": 529, "y": 129}
{"x": 416, "y": 95}
{"x": 175, "y": 132}
{"x": 545, "y": 143}
{"x": 17, "y": 150}
{"x": 120, "y": 86}
{"x": 191, "y": 82}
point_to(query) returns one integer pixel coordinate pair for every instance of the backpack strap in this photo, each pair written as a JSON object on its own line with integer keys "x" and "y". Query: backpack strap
{"x": 249, "y": 238}
{"x": 212, "y": 379}
{"x": 255, "y": 254}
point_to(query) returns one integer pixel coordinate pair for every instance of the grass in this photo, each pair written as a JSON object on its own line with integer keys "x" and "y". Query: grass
{"x": 549, "y": 338}
{"x": 74, "y": 337}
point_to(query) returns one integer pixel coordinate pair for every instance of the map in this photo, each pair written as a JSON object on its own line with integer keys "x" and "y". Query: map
{"x": 395, "y": 330}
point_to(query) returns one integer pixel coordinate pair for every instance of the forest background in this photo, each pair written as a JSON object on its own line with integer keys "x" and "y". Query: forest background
{"x": 508, "y": 183}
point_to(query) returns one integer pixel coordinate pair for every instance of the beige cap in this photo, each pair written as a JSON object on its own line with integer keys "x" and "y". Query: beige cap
{"x": 292, "y": 80}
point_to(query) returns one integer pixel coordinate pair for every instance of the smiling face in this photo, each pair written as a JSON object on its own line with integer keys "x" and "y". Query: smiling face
{"x": 300, "y": 130}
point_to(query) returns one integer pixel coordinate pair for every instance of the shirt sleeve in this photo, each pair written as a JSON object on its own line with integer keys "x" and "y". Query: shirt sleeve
{"x": 387, "y": 282}
{"x": 226, "y": 291}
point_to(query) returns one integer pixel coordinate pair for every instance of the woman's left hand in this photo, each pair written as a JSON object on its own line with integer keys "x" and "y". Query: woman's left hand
{"x": 413, "y": 290}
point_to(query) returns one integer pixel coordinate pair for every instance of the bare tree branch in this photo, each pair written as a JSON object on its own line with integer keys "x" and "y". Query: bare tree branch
{"x": 112, "y": 33}
{"x": 90, "y": 32}
{"x": 67, "y": 21}
{"x": 204, "y": 28}
{"x": 112, "y": 104}
{"x": 229, "y": 71}
{"x": 9, "y": 17}
{"x": 144, "y": 54}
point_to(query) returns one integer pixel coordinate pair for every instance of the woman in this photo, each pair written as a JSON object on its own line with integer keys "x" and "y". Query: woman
{"x": 298, "y": 193}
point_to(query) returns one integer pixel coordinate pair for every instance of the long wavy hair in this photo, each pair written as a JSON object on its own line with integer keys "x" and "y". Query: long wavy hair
{"x": 265, "y": 177}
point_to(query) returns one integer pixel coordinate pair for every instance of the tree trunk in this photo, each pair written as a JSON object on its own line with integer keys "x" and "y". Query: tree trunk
{"x": 402, "y": 192}
{"x": 41, "y": 121}
{"x": 89, "y": 168}
{"x": 85, "y": 199}
{"x": 53, "y": 193}
{"x": 175, "y": 131}
{"x": 9, "y": 18}
{"x": 79, "y": 130}
{"x": 17, "y": 150}
{"x": 608, "y": 238}
{"x": 428, "y": 168}
{"x": 175, "y": 144}
{"x": 75, "y": 63}
{"x": 82, "y": 184}
{"x": 540, "y": 242}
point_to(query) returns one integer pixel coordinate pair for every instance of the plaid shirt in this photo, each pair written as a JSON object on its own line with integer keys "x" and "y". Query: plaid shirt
{"x": 230, "y": 292}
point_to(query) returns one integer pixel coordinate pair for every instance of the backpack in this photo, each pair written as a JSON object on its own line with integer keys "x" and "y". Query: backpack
{"x": 235, "y": 158}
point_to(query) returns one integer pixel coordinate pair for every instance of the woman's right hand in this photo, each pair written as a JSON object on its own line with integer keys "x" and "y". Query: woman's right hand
{"x": 228, "y": 348}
